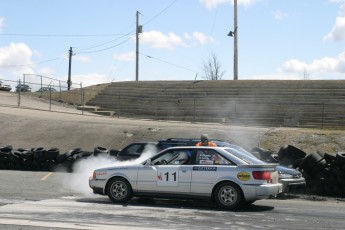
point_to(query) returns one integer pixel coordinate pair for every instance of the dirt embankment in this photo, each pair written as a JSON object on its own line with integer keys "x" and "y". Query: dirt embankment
{"x": 309, "y": 140}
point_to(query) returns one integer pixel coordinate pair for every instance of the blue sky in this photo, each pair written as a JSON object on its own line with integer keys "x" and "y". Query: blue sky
{"x": 277, "y": 39}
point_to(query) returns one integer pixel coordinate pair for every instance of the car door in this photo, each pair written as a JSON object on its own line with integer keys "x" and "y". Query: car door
{"x": 208, "y": 168}
{"x": 165, "y": 178}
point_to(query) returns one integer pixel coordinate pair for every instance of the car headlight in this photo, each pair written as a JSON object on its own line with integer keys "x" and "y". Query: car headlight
{"x": 285, "y": 176}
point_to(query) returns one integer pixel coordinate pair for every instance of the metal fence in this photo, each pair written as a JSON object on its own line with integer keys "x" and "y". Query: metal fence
{"x": 39, "y": 92}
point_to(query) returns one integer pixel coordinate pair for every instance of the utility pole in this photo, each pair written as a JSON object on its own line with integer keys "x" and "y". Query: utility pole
{"x": 69, "y": 82}
{"x": 138, "y": 30}
{"x": 235, "y": 42}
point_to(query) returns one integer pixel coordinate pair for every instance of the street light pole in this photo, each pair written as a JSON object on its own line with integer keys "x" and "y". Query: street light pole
{"x": 235, "y": 42}
{"x": 139, "y": 30}
{"x": 137, "y": 50}
{"x": 69, "y": 82}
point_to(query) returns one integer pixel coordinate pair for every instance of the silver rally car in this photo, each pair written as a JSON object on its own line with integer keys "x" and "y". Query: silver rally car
{"x": 223, "y": 174}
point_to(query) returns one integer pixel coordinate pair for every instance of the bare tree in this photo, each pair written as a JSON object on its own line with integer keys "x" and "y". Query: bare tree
{"x": 212, "y": 68}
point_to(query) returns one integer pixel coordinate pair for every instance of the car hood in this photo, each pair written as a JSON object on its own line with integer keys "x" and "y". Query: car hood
{"x": 291, "y": 171}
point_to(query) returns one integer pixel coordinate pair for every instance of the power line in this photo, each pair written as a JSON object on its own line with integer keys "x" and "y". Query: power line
{"x": 62, "y": 35}
{"x": 161, "y": 12}
{"x": 94, "y": 51}
{"x": 101, "y": 44}
{"x": 178, "y": 66}
{"x": 36, "y": 63}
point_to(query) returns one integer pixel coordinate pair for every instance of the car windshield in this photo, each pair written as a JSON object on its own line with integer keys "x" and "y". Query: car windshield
{"x": 244, "y": 156}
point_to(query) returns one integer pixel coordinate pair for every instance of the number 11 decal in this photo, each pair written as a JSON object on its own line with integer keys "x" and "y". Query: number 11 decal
{"x": 167, "y": 177}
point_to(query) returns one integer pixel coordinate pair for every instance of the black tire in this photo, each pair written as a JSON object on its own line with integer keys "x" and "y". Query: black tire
{"x": 309, "y": 161}
{"x": 338, "y": 191}
{"x": 228, "y": 195}
{"x": 7, "y": 148}
{"x": 39, "y": 153}
{"x": 85, "y": 154}
{"x": 297, "y": 163}
{"x": 289, "y": 151}
{"x": 288, "y": 162}
{"x": 319, "y": 166}
{"x": 119, "y": 190}
{"x": 100, "y": 150}
{"x": 329, "y": 158}
{"x": 340, "y": 158}
{"x": 52, "y": 154}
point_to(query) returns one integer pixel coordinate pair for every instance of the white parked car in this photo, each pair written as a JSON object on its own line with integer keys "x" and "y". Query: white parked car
{"x": 229, "y": 177}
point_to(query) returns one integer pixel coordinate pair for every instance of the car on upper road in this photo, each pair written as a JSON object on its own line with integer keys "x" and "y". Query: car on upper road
{"x": 23, "y": 88}
{"x": 4, "y": 87}
{"x": 47, "y": 89}
{"x": 292, "y": 179}
{"x": 222, "y": 174}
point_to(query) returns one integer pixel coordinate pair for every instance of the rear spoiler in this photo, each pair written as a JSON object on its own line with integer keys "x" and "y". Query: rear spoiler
{"x": 258, "y": 166}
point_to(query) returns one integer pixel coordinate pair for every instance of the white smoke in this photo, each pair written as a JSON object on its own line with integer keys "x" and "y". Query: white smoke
{"x": 82, "y": 169}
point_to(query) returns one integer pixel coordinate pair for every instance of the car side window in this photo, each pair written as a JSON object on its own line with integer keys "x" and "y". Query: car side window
{"x": 210, "y": 157}
{"x": 166, "y": 158}
{"x": 133, "y": 150}
{"x": 173, "y": 157}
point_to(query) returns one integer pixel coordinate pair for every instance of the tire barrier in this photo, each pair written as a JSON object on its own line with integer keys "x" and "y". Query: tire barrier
{"x": 324, "y": 172}
{"x": 45, "y": 159}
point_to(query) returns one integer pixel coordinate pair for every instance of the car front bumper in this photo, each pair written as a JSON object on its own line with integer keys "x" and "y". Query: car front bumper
{"x": 97, "y": 186}
{"x": 293, "y": 185}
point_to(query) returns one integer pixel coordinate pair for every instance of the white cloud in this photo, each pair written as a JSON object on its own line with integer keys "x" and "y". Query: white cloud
{"x": 326, "y": 64}
{"x": 90, "y": 79}
{"x": 15, "y": 54}
{"x": 157, "y": 39}
{"x": 338, "y": 31}
{"x": 15, "y": 60}
{"x": 275, "y": 76}
{"x": 130, "y": 56}
{"x": 200, "y": 38}
{"x": 211, "y": 4}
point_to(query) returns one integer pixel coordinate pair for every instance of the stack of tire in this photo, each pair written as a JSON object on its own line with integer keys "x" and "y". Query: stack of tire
{"x": 35, "y": 159}
{"x": 41, "y": 159}
{"x": 324, "y": 172}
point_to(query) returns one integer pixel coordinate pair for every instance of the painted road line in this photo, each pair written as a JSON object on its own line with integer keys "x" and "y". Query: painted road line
{"x": 46, "y": 176}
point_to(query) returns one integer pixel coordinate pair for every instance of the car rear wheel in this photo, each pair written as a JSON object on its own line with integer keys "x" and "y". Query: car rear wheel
{"x": 119, "y": 190}
{"x": 228, "y": 195}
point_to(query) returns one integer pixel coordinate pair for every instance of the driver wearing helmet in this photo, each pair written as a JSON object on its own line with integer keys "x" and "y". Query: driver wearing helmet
{"x": 183, "y": 158}
{"x": 205, "y": 141}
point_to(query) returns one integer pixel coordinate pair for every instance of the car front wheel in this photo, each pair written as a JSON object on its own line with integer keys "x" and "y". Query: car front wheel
{"x": 119, "y": 190}
{"x": 228, "y": 195}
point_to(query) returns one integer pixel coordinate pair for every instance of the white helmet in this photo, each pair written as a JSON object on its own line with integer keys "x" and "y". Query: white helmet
{"x": 183, "y": 158}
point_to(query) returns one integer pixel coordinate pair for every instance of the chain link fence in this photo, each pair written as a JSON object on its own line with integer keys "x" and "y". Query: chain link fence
{"x": 40, "y": 92}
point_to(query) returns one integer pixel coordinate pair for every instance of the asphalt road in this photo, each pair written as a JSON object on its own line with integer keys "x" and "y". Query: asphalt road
{"x": 43, "y": 200}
